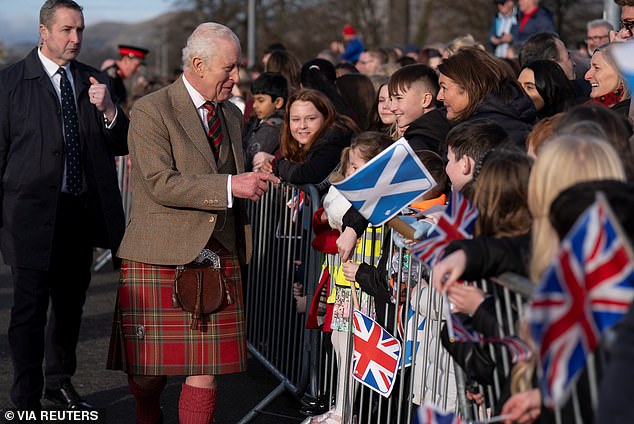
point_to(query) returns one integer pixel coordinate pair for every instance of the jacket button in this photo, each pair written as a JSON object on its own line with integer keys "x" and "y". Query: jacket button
{"x": 205, "y": 202}
{"x": 212, "y": 219}
{"x": 57, "y": 152}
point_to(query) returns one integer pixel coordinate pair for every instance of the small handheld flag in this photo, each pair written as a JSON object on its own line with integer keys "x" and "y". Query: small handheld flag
{"x": 387, "y": 183}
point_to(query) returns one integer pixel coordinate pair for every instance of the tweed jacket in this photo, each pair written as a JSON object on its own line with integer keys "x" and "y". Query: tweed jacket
{"x": 178, "y": 195}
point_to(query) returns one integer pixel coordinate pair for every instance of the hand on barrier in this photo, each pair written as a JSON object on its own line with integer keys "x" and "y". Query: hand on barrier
{"x": 523, "y": 407}
{"x": 465, "y": 299}
{"x": 350, "y": 270}
{"x": 263, "y": 162}
{"x": 448, "y": 270}
{"x": 251, "y": 185}
{"x": 346, "y": 243}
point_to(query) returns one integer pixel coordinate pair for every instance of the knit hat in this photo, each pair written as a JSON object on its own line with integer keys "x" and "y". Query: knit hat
{"x": 348, "y": 30}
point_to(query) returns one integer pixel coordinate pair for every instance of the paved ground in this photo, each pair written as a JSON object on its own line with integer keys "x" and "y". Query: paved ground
{"x": 107, "y": 390}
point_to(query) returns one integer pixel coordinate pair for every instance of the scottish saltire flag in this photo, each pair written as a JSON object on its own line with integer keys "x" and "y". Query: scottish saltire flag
{"x": 387, "y": 183}
{"x": 375, "y": 356}
{"x": 456, "y": 223}
{"x": 431, "y": 414}
{"x": 414, "y": 331}
{"x": 587, "y": 289}
{"x": 623, "y": 54}
{"x": 296, "y": 203}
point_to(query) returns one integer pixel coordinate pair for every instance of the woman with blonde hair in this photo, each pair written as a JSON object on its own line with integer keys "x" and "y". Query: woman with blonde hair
{"x": 608, "y": 85}
{"x": 563, "y": 161}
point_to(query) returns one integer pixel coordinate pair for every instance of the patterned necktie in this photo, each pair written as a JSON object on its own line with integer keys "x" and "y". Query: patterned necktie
{"x": 71, "y": 136}
{"x": 214, "y": 135}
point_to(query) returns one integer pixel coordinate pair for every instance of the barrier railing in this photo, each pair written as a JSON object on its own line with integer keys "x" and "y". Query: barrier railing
{"x": 103, "y": 256}
{"x": 282, "y": 256}
{"x": 305, "y": 362}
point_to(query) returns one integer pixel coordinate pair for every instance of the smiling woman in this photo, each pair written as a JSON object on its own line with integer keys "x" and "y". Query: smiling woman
{"x": 607, "y": 83}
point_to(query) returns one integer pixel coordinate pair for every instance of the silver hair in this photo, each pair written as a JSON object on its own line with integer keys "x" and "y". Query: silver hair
{"x": 201, "y": 42}
{"x": 599, "y": 23}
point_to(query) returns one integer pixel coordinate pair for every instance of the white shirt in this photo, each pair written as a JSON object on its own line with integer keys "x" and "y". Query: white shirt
{"x": 199, "y": 101}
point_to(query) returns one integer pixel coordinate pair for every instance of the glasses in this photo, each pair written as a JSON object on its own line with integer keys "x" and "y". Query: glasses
{"x": 627, "y": 25}
{"x": 598, "y": 38}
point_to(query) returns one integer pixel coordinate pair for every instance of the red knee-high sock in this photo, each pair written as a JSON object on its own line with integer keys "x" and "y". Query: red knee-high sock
{"x": 196, "y": 405}
{"x": 147, "y": 394}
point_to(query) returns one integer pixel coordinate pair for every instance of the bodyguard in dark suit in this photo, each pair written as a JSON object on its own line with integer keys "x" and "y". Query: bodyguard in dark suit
{"x": 59, "y": 133}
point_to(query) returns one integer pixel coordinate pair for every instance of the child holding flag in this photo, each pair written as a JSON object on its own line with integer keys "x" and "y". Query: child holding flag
{"x": 363, "y": 148}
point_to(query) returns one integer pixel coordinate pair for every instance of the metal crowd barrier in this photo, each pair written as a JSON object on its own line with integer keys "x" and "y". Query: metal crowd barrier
{"x": 123, "y": 164}
{"x": 304, "y": 361}
{"x": 282, "y": 255}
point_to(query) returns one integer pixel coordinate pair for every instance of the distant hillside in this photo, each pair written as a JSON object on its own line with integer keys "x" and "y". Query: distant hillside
{"x": 101, "y": 40}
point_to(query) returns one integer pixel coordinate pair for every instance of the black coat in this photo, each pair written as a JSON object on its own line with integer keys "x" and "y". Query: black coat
{"x": 32, "y": 162}
{"x": 323, "y": 158}
{"x": 512, "y": 110}
{"x": 429, "y": 132}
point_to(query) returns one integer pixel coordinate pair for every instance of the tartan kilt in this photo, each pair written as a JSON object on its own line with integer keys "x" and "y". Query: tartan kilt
{"x": 152, "y": 337}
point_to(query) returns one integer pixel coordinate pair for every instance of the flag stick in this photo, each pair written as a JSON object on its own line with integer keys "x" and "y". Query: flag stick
{"x": 398, "y": 225}
{"x": 355, "y": 300}
{"x": 452, "y": 335}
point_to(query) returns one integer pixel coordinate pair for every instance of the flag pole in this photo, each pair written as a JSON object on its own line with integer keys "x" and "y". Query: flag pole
{"x": 400, "y": 226}
{"x": 353, "y": 290}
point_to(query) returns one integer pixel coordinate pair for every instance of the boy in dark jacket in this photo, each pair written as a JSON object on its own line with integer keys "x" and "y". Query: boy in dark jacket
{"x": 413, "y": 90}
{"x": 263, "y": 131}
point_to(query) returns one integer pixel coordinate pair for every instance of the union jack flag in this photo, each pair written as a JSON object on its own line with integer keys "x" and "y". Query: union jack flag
{"x": 517, "y": 347}
{"x": 375, "y": 356}
{"x": 431, "y": 414}
{"x": 296, "y": 203}
{"x": 586, "y": 290}
{"x": 456, "y": 223}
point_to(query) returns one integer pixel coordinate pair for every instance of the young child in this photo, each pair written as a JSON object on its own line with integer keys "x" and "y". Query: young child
{"x": 500, "y": 194}
{"x": 413, "y": 90}
{"x": 467, "y": 143}
{"x": 363, "y": 148}
{"x": 263, "y": 131}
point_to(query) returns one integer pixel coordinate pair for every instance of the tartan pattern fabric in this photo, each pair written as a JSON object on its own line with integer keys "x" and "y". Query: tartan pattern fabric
{"x": 214, "y": 134}
{"x": 152, "y": 337}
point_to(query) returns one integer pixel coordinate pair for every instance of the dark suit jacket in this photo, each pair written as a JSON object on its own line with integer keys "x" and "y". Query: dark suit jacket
{"x": 32, "y": 162}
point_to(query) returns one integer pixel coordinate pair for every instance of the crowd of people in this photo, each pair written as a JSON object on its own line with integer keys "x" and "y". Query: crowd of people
{"x": 519, "y": 124}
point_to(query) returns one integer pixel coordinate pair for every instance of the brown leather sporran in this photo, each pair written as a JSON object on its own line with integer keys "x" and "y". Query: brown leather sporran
{"x": 200, "y": 287}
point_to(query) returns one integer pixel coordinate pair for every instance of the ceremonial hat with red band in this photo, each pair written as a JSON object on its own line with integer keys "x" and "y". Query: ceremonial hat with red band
{"x": 131, "y": 51}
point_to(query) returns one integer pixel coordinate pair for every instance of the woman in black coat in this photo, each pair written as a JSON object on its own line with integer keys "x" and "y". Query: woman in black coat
{"x": 476, "y": 85}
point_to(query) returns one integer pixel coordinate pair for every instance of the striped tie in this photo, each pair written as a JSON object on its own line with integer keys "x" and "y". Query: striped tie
{"x": 214, "y": 135}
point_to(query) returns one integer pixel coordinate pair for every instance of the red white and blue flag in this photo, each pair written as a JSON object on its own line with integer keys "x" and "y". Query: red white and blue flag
{"x": 585, "y": 291}
{"x": 519, "y": 350}
{"x": 296, "y": 203}
{"x": 430, "y": 414}
{"x": 376, "y": 355}
{"x": 456, "y": 223}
